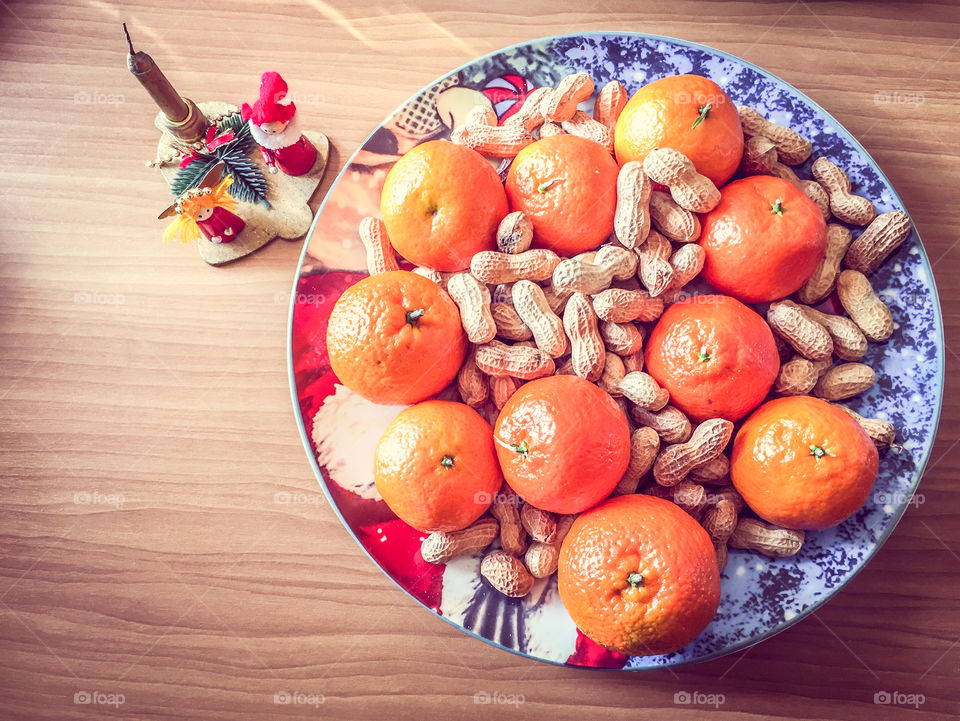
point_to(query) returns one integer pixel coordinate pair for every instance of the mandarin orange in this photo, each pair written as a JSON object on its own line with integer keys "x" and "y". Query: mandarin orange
{"x": 563, "y": 443}
{"x": 441, "y": 204}
{"x": 567, "y": 186}
{"x": 688, "y": 113}
{"x": 395, "y": 338}
{"x": 801, "y": 463}
{"x": 763, "y": 241}
{"x": 435, "y": 466}
{"x": 639, "y": 575}
{"x": 715, "y": 356}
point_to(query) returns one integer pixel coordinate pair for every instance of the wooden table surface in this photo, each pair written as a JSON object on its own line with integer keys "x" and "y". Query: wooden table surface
{"x": 147, "y": 424}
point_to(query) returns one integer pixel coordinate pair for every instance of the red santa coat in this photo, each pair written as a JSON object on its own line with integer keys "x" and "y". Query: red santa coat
{"x": 295, "y": 159}
{"x": 289, "y": 150}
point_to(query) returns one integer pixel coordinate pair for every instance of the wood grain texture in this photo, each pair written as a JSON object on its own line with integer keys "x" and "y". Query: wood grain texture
{"x": 146, "y": 420}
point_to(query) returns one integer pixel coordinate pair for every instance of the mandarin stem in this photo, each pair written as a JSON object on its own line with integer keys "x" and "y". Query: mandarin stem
{"x": 413, "y": 316}
{"x": 703, "y": 111}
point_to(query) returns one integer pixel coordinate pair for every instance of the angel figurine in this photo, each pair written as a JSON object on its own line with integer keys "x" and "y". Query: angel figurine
{"x": 205, "y": 211}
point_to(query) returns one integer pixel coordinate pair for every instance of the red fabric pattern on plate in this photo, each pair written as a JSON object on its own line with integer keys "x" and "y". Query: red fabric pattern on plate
{"x": 592, "y": 654}
{"x": 506, "y": 88}
{"x": 316, "y": 296}
{"x": 396, "y": 547}
{"x": 371, "y": 520}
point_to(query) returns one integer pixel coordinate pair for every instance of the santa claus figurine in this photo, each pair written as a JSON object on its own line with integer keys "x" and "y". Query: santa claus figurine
{"x": 275, "y": 128}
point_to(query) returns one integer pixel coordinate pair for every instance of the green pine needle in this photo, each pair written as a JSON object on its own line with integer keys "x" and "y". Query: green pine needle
{"x": 190, "y": 176}
{"x": 248, "y": 185}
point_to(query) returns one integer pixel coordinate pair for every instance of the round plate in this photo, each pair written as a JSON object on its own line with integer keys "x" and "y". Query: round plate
{"x": 760, "y": 596}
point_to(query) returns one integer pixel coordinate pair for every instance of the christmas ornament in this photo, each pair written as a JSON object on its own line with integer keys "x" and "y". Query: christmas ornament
{"x": 196, "y": 137}
{"x": 206, "y": 210}
{"x": 276, "y": 128}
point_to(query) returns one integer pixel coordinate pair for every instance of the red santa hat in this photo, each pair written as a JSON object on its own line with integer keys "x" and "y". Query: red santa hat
{"x": 267, "y": 108}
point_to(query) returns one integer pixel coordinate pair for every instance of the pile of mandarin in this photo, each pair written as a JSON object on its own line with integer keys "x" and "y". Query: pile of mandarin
{"x": 571, "y": 403}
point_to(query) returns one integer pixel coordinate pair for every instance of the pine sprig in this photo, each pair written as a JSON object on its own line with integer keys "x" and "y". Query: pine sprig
{"x": 190, "y": 176}
{"x": 248, "y": 185}
{"x": 243, "y": 139}
{"x": 231, "y": 122}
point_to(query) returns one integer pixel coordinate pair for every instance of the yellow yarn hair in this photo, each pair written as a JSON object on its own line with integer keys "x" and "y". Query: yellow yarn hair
{"x": 184, "y": 228}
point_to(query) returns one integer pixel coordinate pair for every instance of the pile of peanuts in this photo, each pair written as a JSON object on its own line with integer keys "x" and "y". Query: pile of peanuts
{"x": 529, "y": 313}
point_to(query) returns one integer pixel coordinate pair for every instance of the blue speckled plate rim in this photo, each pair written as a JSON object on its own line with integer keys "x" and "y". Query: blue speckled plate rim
{"x": 938, "y": 319}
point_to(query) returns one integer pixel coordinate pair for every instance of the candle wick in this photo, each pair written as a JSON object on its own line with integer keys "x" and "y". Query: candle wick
{"x": 129, "y": 42}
